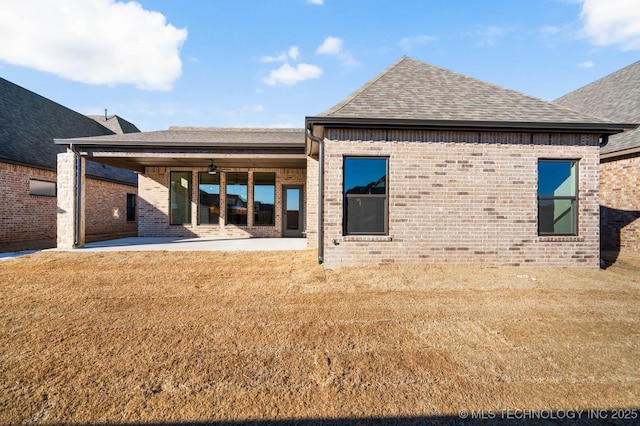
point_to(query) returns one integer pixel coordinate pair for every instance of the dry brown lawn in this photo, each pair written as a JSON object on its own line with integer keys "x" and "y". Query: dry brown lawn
{"x": 178, "y": 337}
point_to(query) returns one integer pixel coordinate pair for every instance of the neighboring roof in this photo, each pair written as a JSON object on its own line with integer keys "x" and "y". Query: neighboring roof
{"x": 615, "y": 97}
{"x": 116, "y": 124}
{"x": 199, "y": 137}
{"x": 416, "y": 92}
{"x": 30, "y": 122}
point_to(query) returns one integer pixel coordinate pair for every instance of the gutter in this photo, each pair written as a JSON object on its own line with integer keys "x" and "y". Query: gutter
{"x": 320, "y": 143}
{"x": 78, "y": 198}
{"x": 470, "y": 125}
{"x": 604, "y": 140}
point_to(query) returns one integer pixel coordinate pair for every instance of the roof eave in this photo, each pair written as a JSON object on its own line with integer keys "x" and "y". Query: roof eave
{"x": 620, "y": 153}
{"x": 469, "y": 125}
{"x": 131, "y": 144}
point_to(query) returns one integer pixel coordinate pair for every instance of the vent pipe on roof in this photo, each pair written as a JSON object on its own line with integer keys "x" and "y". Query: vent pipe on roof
{"x": 105, "y": 115}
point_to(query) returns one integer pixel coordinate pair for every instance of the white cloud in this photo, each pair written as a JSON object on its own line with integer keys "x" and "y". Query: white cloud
{"x": 549, "y": 30}
{"x": 586, "y": 64}
{"x": 316, "y": 2}
{"x": 408, "y": 43}
{"x": 608, "y": 22}
{"x": 280, "y": 58}
{"x": 333, "y": 46}
{"x": 92, "y": 41}
{"x": 489, "y": 36}
{"x": 292, "y": 53}
{"x": 330, "y": 46}
{"x": 288, "y": 75}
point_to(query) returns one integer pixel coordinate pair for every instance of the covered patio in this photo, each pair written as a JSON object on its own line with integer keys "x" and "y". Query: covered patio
{"x": 197, "y": 185}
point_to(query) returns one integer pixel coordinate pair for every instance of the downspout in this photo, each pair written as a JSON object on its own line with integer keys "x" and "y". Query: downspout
{"x": 78, "y": 197}
{"x": 320, "y": 195}
{"x": 604, "y": 139}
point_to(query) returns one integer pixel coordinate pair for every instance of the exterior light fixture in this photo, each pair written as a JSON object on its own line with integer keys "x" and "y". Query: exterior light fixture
{"x": 212, "y": 169}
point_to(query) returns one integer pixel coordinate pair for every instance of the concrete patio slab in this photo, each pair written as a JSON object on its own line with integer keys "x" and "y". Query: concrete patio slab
{"x": 196, "y": 244}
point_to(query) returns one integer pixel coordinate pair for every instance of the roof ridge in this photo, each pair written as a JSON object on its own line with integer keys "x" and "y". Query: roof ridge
{"x": 365, "y": 86}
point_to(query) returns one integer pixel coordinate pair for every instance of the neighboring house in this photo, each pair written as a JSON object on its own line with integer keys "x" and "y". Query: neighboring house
{"x": 616, "y": 97}
{"x": 114, "y": 123}
{"x": 28, "y": 125}
{"x": 420, "y": 164}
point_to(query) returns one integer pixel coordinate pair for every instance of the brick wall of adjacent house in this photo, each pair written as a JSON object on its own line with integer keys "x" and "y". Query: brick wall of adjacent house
{"x": 154, "y": 199}
{"x": 620, "y": 203}
{"x": 29, "y": 221}
{"x": 462, "y": 198}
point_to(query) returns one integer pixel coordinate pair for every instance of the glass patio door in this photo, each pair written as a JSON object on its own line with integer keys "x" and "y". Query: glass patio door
{"x": 292, "y": 214}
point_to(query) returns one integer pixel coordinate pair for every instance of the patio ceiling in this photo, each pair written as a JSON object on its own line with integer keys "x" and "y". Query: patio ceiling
{"x": 224, "y": 160}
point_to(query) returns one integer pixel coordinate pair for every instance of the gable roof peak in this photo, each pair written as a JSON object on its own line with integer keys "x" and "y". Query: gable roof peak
{"x": 410, "y": 89}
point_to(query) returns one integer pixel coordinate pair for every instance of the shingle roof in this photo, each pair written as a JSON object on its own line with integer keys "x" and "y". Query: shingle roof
{"x": 30, "y": 122}
{"x": 116, "y": 124}
{"x": 413, "y": 90}
{"x": 614, "y": 97}
{"x": 206, "y": 137}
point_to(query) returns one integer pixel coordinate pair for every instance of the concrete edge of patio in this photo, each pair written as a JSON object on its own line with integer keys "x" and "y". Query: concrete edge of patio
{"x": 194, "y": 244}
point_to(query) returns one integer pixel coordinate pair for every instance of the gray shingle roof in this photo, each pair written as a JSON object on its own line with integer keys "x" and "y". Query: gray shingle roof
{"x": 413, "y": 90}
{"x": 206, "y": 137}
{"x": 614, "y": 97}
{"x": 116, "y": 124}
{"x": 30, "y": 122}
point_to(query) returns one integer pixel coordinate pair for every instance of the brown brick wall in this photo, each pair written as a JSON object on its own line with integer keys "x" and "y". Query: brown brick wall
{"x": 106, "y": 210}
{"x": 620, "y": 204}
{"x": 462, "y": 198}
{"x": 29, "y": 221}
{"x": 154, "y": 205}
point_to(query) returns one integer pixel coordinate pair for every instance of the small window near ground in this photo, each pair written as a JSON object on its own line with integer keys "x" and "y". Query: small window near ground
{"x": 208, "y": 199}
{"x": 365, "y": 196}
{"x": 264, "y": 198}
{"x": 131, "y": 207}
{"x": 180, "y": 213}
{"x": 41, "y": 187}
{"x": 237, "y": 201}
{"x": 557, "y": 200}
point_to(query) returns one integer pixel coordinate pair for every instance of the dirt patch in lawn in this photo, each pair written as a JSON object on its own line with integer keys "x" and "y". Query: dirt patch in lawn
{"x": 179, "y": 337}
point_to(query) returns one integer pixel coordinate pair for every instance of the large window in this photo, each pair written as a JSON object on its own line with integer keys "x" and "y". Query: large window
{"x": 557, "y": 201}
{"x": 264, "y": 198}
{"x": 180, "y": 198}
{"x": 237, "y": 198}
{"x": 365, "y": 196}
{"x": 208, "y": 198}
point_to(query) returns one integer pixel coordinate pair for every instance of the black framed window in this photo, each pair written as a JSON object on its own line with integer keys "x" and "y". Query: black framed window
{"x": 237, "y": 200}
{"x": 180, "y": 198}
{"x": 365, "y": 196}
{"x": 208, "y": 198}
{"x": 557, "y": 197}
{"x": 131, "y": 207}
{"x": 41, "y": 187}
{"x": 264, "y": 199}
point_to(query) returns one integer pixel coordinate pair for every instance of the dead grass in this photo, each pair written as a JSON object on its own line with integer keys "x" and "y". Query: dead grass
{"x": 157, "y": 336}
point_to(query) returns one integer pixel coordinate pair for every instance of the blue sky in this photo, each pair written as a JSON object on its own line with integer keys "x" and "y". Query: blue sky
{"x": 270, "y": 63}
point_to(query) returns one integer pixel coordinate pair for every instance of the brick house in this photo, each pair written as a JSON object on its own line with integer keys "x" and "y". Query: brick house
{"x": 420, "y": 164}
{"x": 28, "y": 125}
{"x": 616, "y": 97}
